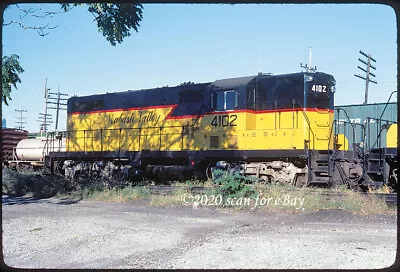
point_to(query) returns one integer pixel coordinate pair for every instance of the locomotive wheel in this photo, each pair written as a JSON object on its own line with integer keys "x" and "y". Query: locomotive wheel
{"x": 300, "y": 181}
{"x": 265, "y": 179}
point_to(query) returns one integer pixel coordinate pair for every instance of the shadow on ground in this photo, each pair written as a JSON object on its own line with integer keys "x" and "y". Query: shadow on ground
{"x": 20, "y": 200}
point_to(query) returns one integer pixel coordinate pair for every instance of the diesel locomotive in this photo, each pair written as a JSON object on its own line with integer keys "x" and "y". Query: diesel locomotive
{"x": 273, "y": 128}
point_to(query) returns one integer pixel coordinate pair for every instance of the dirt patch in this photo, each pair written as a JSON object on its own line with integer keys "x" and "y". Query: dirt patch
{"x": 57, "y": 233}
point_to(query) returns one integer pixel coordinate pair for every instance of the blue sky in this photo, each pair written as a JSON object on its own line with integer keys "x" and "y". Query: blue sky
{"x": 200, "y": 43}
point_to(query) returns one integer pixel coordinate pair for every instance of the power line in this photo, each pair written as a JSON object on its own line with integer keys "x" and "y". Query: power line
{"x": 44, "y": 118}
{"x": 51, "y": 101}
{"x": 58, "y": 102}
{"x": 367, "y": 71}
{"x": 20, "y": 118}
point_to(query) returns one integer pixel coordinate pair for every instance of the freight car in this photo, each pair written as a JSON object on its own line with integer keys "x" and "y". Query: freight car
{"x": 10, "y": 137}
{"x": 29, "y": 154}
{"x": 275, "y": 128}
{"x": 374, "y": 126}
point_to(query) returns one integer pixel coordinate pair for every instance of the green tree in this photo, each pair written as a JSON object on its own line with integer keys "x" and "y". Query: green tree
{"x": 10, "y": 70}
{"x": 114, "y": 22}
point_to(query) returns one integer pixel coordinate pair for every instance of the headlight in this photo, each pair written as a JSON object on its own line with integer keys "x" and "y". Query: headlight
{"x": 309, "y": 78}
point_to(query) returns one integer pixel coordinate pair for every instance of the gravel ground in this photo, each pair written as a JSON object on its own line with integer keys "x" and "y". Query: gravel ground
{"x": 60, "y": 233}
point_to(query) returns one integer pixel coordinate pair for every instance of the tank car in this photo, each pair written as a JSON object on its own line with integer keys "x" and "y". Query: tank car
{"x": 30, "y": 153}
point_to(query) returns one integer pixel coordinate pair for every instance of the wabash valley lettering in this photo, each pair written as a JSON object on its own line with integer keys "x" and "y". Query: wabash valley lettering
{"x": 144, "y": 117}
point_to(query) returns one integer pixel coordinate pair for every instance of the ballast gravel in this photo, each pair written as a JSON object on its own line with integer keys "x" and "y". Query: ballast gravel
{"x": 61, "y": 233}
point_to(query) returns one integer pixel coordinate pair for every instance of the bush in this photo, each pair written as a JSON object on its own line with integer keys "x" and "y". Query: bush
{"x": 232, "y": 186}
{"x": 40, "y": 186}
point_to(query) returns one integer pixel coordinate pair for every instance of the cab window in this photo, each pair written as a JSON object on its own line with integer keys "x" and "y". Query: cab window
{"x": 225, "y": 100}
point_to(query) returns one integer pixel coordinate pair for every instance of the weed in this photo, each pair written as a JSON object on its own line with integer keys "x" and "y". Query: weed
{"x": 381, "y": 190}
{"x": 208, "y": 183}
{"x": 231, "y": 186}
{"x": 189, "y": 184}
{"x": 320, "y": 198}
{"x": 169, "y": 200}
{"x": 117, "y": 195}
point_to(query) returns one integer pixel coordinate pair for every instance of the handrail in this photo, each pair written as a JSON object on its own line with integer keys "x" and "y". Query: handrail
{"x": 378, "y": 137}
{"x": 348, "y": 122}
{"x": 190, "y": 125}
{"x": 330, "y": 134}
{"x": 353, "y": 125}
{"x": 88, "y": 135}
{"x": 348, "y": 118}
{"x": 308, "y": 122}
{"x": 387, "y": 103}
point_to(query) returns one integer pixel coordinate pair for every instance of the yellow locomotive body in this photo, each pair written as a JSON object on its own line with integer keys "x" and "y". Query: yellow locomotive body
{"x": 154, "y": 130}
{"x": 272, "y": 127}
{"x": 391, "y": 137}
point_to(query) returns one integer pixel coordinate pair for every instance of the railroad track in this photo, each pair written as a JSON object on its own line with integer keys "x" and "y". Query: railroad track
{"x": 160, "y": 189}
{"x": 390, "y": 199}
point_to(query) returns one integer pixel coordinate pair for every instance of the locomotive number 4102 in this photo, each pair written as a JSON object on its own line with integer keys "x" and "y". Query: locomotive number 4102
{"x": 224, "y": 121}
{"x": 319, "y": 88}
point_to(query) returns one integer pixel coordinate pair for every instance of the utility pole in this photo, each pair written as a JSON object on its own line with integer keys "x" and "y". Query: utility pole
{"x": 57, "y": 101}
{"x": 44, "y": 117}
{"x": 309, "y": 69}
{"x": 21, "y": 118}
{"x": 367, "y": 72}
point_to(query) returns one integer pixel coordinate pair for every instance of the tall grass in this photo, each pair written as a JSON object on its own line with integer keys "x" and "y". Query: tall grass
{"x": 117, "y": 195}
{"x": 320, "y": 198}
{"x": 173, "y": 199}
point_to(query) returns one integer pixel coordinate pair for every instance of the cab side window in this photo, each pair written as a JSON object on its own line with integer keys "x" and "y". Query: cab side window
{"x": 225, "y": 100}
